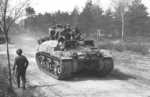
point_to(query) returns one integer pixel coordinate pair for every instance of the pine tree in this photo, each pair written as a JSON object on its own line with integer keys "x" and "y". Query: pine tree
{"x": 137, "y": 18}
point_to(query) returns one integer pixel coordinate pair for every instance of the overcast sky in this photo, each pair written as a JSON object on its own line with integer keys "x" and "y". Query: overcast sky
{"x": 42, "y": 6}
{"x": 63, "y": 5}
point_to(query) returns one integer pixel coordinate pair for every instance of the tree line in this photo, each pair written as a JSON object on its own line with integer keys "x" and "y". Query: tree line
{"x": 130, "y": 18}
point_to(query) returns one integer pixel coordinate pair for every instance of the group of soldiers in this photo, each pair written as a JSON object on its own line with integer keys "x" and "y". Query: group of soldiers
{"x": 63, "y": 33}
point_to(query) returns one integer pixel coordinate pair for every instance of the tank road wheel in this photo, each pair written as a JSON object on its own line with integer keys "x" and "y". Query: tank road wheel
{"x": 39, "y": 60}
{"x": 53, "y": 66}
{"x": 62, "y": 69}
{"x": 106, "y": 66}
{"x": 50, "y": 64}
{"x": 50, "y": 67}
{"x": 43, "y": 62}
{"x": 58, "y": 69}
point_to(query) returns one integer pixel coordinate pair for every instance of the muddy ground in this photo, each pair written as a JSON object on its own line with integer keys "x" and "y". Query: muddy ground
{"x": 130, "y": 78}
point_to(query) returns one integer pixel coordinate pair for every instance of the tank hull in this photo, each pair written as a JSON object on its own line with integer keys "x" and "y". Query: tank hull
{"x": 63, "y": 68}
{"x": 64, "y": 53}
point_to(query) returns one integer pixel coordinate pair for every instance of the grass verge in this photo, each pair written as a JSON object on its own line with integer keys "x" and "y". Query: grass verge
{"x": 125, "y": 46}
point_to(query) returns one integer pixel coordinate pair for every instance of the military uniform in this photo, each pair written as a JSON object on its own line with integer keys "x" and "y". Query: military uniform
{"x": 21, "y": 64}
{"x": 77, "y": 34}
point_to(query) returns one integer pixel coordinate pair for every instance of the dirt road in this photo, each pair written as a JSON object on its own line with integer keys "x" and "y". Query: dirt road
{"x": 131, "y": 77}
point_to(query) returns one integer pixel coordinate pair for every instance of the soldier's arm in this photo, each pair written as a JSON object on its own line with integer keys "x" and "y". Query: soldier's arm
{"x": 27, "y": 62}
{"x": 14, "y": 64}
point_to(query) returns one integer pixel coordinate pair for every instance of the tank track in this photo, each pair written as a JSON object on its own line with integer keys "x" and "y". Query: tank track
{"x": 105, "y": 67}
{"x": 55, "y": 67}
{"x": 63, "y": 69}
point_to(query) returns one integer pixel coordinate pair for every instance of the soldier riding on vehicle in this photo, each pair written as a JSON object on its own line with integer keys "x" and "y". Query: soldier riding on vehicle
{"x": 69, "y": 54}
{"x": 52, "y": 32}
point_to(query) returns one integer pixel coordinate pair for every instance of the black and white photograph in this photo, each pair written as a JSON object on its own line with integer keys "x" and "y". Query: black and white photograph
{"x": 74, "y": 48}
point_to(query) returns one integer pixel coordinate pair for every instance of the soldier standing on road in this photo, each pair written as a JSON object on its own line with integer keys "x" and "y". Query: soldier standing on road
{"x": 20, "y": 65}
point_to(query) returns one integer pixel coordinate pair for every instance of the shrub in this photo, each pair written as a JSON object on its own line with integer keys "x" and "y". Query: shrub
{"x": 119, "y": 47}
{"x": 105, "y": 45}
{"x": 122, "y": 46}
{"x": 137, "y": 47}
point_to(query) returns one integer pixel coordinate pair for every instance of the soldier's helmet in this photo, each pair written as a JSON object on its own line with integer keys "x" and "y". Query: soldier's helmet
{"x": 53, "y": 27}
{"x": 59, "y": 25}
{"x": 19, "y": 51}
{"x": 67, "y": 26}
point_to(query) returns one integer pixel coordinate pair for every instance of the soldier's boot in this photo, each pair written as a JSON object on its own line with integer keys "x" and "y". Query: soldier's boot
{"x": 18, "y": 85}
{"x": 23, "y": 85}
{"x": 18, "y": 82}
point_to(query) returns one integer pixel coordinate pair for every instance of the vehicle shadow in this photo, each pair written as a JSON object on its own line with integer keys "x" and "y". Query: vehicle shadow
{"x": 116, "y": 74}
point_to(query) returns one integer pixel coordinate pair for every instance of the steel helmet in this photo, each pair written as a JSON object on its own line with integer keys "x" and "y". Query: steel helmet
{"x": 19, "y": 51}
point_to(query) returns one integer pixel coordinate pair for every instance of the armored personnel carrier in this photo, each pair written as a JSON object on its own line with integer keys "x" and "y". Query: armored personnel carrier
{"x": 62, "y": 59}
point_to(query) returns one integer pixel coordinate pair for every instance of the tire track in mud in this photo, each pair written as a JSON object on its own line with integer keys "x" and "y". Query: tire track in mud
{"x": 136, "y": 79}
{"x": 134, "y": 65}
{"x": 56, "y": 90}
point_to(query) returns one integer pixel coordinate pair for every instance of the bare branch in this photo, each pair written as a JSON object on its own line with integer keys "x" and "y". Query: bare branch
{"x": 17, "y": 13}
{"x": 5, "y": 23}
{"x": 21, "y": 6}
